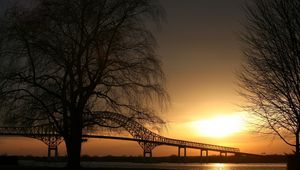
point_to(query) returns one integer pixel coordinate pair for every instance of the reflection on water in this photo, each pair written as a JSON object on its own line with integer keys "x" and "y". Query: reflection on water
{"x": 171, "y": 166}
{"x": 187, "y": 166}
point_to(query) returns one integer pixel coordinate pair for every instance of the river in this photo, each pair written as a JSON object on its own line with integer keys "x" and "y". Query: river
{"x": 187, "y": 166}
{"x": 170, "y": 166}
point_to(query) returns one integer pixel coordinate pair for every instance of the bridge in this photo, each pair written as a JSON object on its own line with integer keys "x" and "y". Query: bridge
{"x": 147, "y": 139}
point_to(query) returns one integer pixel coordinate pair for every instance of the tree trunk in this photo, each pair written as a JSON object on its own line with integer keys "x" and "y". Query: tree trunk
{"x": 293, "y": 161}
{"x": 297, "y": 152}
{"x": 73, "y": 145}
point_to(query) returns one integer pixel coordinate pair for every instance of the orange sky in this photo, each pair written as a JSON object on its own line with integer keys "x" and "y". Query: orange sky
{"x": 200, "y": 52}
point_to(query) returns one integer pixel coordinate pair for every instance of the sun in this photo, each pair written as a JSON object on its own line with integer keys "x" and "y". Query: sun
{"x": 220, "y": 126}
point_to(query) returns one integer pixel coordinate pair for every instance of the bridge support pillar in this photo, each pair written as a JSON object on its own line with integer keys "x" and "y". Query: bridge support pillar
{"x": 50, "y": 149}
{"x": 52, "y": 141}
{"x": 221, "y": 153}
{"x": 184, "y": 153}
{"x": 147, "y": 148}
{"x": 148, "y": 153}
{"x": 201, "y": 152}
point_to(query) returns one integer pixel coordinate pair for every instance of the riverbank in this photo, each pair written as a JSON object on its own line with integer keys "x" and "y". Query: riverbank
{"x": 63, "y": 168}
{"x": 168, "y": 159}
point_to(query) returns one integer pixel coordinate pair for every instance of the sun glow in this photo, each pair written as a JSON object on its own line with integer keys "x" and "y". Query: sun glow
{"x": 220, "y": 126}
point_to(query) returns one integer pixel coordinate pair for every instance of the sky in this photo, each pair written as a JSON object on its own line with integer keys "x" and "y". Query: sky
{"x": 201, "y": 53}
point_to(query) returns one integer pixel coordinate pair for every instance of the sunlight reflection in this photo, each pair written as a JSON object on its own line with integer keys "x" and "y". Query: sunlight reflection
{"x": 219, "y": 165}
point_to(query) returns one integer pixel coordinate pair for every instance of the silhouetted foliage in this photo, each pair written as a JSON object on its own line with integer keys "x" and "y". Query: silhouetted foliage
{"x": 270, "y": 77}
{"x": 63, "y": 59}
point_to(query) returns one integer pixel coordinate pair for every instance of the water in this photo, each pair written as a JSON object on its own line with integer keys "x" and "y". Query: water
{"x": 171, "y": 166}
{"x": 187, "y": 166}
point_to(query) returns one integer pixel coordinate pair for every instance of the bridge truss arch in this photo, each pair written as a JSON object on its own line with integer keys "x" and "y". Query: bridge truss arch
{"x": 45, "y": 133}
{"x": 147, "y": 139}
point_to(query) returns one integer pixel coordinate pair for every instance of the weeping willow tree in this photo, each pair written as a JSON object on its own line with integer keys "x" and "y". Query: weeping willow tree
{"x": 270, "y": 77}
{"x": 63, "y": 59}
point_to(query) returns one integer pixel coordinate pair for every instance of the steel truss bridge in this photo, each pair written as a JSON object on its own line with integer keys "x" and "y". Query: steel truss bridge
{"x": 147, "y": 139}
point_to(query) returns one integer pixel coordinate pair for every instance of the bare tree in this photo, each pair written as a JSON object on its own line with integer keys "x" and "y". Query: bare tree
{"x": 270, "y": 77}
{"x": 63, "y": 59}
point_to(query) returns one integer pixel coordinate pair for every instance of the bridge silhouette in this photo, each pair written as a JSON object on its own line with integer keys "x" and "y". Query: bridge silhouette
{"x": 147, "y": 139}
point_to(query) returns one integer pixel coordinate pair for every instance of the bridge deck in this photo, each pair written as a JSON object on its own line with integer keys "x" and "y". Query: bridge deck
{"x": 169, "y": 141}
{"x": 179, "y": 143}
{"x": 138, "y": 132}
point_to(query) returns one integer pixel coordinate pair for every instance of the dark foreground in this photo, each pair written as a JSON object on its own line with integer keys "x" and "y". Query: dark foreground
{"x": 136, "y": 163}
{"x": 56, "y": 168}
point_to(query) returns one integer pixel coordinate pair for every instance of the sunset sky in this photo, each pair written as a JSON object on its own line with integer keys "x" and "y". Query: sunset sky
{"x": 200, "y": 52}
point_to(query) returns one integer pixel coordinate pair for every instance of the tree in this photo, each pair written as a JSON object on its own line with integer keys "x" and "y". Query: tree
{"x": 270, "y": 77}
{"x": 63, "y": 59}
